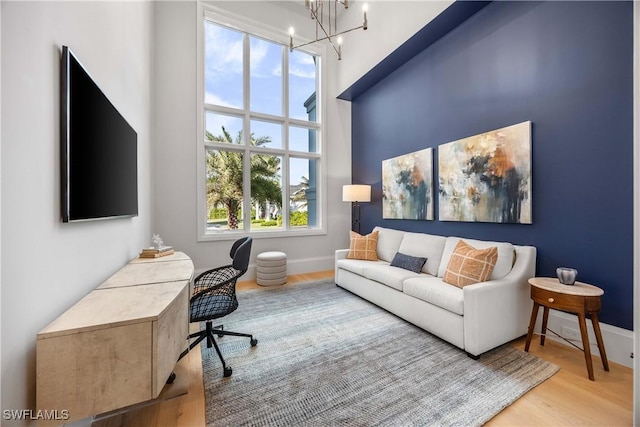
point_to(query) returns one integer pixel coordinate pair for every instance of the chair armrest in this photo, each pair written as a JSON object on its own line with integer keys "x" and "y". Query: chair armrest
{"x": 498, "y": 311}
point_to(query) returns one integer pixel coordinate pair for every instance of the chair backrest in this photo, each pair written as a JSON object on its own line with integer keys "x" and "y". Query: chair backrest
{"x": 236, "y": 245}
{"x": 242, "y": 254}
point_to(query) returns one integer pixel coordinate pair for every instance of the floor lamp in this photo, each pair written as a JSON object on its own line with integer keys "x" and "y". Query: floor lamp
{"x": 356, "y": 194}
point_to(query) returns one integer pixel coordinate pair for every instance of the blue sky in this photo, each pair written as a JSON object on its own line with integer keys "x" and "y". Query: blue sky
{"x": 223, "y": 86}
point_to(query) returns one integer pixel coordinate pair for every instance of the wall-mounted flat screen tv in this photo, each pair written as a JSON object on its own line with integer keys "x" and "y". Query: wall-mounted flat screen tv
{"x": 99, "y": 150}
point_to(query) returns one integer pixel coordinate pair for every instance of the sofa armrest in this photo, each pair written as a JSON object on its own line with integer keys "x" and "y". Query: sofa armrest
{"x": 340, "y": 254}
{"x": 498, "y": 311}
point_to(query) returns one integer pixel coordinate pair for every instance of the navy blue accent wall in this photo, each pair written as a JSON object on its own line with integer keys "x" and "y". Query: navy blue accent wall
{"x": 568, "y": 68}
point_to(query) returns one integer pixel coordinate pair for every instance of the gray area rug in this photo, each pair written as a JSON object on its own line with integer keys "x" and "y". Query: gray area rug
{"x": 327, "y": 357}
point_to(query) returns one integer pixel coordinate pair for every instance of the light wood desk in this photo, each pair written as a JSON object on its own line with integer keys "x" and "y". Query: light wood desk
{"x": 118, "y": 345}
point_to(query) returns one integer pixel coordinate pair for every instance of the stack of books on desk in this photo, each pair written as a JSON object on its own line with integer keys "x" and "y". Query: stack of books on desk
{"x": 156, "y": 252}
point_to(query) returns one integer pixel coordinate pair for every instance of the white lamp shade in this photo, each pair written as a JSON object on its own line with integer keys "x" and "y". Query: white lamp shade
{"x": 356, "y": 193}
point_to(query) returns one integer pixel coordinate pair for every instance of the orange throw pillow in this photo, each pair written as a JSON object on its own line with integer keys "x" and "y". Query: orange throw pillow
{"x": 364, "y": 247}
{"x": 469, "y": 265}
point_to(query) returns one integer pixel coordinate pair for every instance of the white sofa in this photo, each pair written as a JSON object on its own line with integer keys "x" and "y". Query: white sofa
{"x": 475, "y": 318}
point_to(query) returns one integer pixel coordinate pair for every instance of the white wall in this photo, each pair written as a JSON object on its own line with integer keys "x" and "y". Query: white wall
{"x": 391, "y": 23}
{"x": 176, "y": 140}
{"x": 47, "y": 266}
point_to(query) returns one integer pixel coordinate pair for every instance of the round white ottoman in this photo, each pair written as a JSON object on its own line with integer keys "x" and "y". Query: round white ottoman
{"x": 272, "y": 268}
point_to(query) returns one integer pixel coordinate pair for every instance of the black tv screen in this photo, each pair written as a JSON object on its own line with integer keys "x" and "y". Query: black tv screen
{"x": 99, "y": 150}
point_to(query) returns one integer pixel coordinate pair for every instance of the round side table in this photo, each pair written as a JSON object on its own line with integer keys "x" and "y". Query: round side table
{"x": 581, "y": 299}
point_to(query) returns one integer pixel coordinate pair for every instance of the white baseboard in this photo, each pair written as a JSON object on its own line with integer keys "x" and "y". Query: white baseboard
{"x": 618, "y": 342}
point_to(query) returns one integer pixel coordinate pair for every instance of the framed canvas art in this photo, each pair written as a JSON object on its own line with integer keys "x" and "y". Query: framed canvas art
{"x": 407, "y": 186}
{"x": 487, "y": 177}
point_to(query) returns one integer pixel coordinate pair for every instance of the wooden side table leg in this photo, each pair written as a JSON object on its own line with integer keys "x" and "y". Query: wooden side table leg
{"x": 545, "y": 319}
{"x": 532, "y": 324}
{"x": 596, "y": 329}
{"x": 585, "y": 345}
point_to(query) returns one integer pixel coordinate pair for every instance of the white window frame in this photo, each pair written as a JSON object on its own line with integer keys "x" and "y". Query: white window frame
{"x": 225, "y": 18}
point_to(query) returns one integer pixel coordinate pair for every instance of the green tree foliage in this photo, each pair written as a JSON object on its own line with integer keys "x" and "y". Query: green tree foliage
{"x": 301, "y": 194}
{"x": 224, "y": 175}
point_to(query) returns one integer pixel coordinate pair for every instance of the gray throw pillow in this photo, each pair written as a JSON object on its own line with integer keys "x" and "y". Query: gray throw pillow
{"x": 408, "y": 262}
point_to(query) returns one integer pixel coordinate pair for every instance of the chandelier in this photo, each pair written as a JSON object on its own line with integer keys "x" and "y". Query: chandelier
{"x": 327, "y": 30}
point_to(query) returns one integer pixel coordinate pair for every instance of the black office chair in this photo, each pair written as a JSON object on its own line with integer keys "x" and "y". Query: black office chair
{"x": 214, "y": 296}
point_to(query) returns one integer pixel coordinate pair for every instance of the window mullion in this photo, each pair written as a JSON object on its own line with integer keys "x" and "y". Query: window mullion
{"x": 285, "y": 140}
{"x": 246, "y": 132}
{"x": 285, "y": 96}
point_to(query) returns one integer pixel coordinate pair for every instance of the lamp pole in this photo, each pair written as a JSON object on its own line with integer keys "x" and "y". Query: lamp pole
{"x": 355, "y": 215}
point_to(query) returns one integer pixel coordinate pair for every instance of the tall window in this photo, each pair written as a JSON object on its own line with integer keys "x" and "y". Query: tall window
{"x": 261, "y": 134}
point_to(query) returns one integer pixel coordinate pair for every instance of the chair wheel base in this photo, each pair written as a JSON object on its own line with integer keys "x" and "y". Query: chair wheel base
{"x": 228, "y": 371}
{"x": 253, "y": 342}
{"x": 171, "y": 378}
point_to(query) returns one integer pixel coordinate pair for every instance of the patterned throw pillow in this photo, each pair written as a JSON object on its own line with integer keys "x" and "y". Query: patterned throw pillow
{"x": 469, "y": 265}
{"x": 363, "y": 247}
{"x": 408, "y": 262}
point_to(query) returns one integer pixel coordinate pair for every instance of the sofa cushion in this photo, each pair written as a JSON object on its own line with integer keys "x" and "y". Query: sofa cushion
{"x": 469, "y": 265}
{"x": 363, "y": 247}
{"x": 506, "y": 255}
{"x": 434, "y": 291}
{"x": 426, "y": 246}
{"x": 408, "y": 262}
{"x": 357, "y": 266}
{"x": 388, "y": 242}
{"x": 387, "y": 275}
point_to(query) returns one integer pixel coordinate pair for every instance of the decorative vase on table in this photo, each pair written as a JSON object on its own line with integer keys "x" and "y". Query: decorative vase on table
{"x": 567, "y": 276}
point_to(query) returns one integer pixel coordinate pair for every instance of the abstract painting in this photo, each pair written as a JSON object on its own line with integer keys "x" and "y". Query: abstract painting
{"x": 487, "y": 177}
{"x": 407, "y": 186}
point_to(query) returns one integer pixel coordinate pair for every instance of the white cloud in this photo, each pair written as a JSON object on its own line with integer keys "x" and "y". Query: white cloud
{"x": 223, "y": 52}
{"x": 303, "y": 59}
{"x": 304, "y": 72}
{"x": 259, "y": 50}
{"x": 210, "y": 98}
{"x": 302, "y": 65}
{"x": 277, "y": 70}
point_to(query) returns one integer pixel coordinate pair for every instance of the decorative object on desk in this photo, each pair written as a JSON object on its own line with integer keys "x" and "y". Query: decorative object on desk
{"x": 567, "y": 276}
{"x": 356, "y": 194}
{"x": 416, "y": 377}
{"x": 487, "y": 177}
{"x": 158, "y": 249}
{"x": 407, "y": 186}
{"x": 156, "y": 253}
{"x": 157, "y": 241}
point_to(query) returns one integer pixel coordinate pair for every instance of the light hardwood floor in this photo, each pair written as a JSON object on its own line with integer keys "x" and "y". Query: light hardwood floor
{"x": 566, "y": 399}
